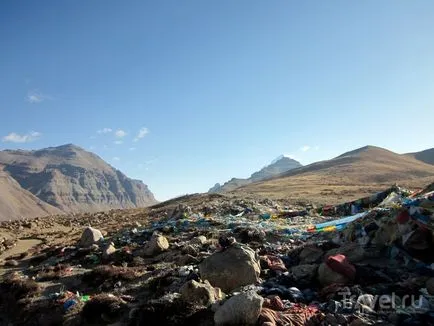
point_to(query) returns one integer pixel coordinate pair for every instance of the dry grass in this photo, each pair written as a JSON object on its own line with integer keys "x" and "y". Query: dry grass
{"x": 345, "y": 178}
{"x": 14, "y": 289}
{"x": 102, "y": 309}
{"x": 107, "y": 273}
{"x": 53, "y": 272}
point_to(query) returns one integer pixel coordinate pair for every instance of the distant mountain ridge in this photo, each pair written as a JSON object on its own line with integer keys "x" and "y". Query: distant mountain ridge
{"x": 278, "y": 166}
{"x": 426, "y": 156}
{"x": 70, "y": 179}
{"x": 366, "y": 169}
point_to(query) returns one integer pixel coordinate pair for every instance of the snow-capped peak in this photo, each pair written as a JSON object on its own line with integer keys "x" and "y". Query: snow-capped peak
{"x": 277, "y": 159}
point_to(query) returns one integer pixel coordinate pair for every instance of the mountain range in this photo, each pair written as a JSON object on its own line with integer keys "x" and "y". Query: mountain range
{"x": 68, "y": 179}
{"x": 64, "y": 179}
{"x": 348, "y": 176}
{"x": 278, "y": 166}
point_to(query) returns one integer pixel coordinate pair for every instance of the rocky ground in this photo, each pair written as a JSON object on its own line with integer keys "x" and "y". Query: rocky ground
{"x": 218, "y": 260}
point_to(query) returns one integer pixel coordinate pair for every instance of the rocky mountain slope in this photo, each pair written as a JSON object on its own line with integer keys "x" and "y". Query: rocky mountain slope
{"x": 17, "y": 202}
{"x": 350, "y": 175}
{"x": 278, "y": 166}
{"x": 73, "y": 180}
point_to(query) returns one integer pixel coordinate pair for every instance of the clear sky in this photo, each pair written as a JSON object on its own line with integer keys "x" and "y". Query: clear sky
{"x": 184, "y": 94}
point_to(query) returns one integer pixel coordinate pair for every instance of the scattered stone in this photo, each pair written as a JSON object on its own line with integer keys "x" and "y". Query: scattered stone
{"x": 89, "y": 237}
{"x": 156, "y": 245}
{"x": 94, "y": 247}
{"x": 200, "y": 293}
{"x": 200, "y": 240}
{"x": 11, "y": 263}
{"x": 187, "y": 260}
{"x": 353, "y": 251}
{"x": 231, "y": 268}
{"x": 327, "y": 276}
{"x": 190, "y": 250}
{"x": 307, "y": 271}
{"x": 108, "y": 250}
{"x": 241, "y": 309}
{"x": 310, "y": 255}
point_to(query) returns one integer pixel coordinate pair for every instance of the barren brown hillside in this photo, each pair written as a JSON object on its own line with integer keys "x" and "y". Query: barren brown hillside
{"x": 16, "y": 202}
{"x": 426, "y": 156}
{"x": 349, "y": 176}
{"x": 73, "y": 180}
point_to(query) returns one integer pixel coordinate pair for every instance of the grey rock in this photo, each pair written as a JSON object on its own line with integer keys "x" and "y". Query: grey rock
{"x": 11, "y": 263}
{"x": 327, "y": 276}
{"x": 89, "y": 237}
{"x": 241, "y": 309}
{"x": 353, "y": 251}
{"x": 231, "y": 268}
{"x": 200, "y": 293}
{"x": 156, "y": 245}
{"x": 108, "y": 250}
{"x": 187, "y": 260}
{"x": 200, "y": 240}
{"x": 190, "y": 250}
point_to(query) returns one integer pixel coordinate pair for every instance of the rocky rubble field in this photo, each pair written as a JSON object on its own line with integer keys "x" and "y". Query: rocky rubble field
{"x": 217, "y": 260}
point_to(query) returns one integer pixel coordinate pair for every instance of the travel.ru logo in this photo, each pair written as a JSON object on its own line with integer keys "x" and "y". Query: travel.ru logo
{"x": 385, "y": 302}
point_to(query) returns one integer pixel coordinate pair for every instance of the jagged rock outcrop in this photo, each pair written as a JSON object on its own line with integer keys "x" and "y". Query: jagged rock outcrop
{"x": 280, "y": 165}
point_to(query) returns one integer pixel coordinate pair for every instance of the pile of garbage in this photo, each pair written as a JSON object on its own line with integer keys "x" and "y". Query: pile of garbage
{"x": 241, "y": 263}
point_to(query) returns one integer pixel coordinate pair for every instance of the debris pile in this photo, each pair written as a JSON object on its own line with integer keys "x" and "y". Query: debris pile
{"x": 237, "y": 262}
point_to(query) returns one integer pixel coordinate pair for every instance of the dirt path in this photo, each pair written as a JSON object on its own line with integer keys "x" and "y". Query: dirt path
{"x": 21, "y": 246}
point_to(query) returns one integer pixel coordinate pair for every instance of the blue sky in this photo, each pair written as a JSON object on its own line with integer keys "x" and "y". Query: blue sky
{"x": 184, "y": 94}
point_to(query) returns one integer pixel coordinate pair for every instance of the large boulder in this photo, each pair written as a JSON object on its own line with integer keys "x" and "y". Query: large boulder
{"x": 327, "y": 276}
{"x": 200, "y": 293}
{"x": 241, "y": 309}
{"x": 353, "y": 251}
{"x": 156, "y": 245}
{"x": 89, "y": 237}
{"x": 236, "y": 266}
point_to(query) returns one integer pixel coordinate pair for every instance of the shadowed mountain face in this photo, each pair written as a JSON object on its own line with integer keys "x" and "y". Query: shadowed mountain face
{"x": 426, "y": 156}
{"x": 350, "y": 175}
{"x": 16, "y": 202}
{"x": 278, "y": 166}
{"x": 74, "y": 180}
